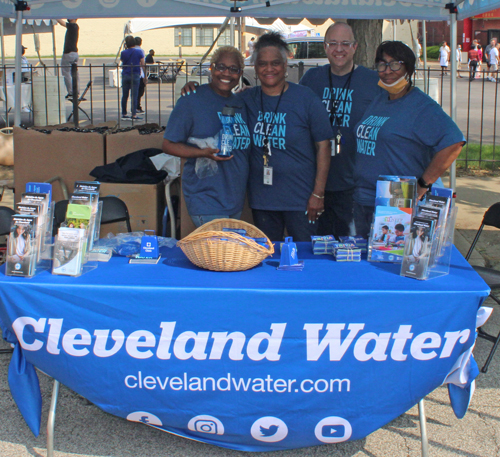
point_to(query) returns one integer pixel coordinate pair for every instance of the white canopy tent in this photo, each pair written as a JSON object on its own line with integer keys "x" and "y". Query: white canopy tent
{"x": 149, "y": 23}
{"x": 340, "y": 9}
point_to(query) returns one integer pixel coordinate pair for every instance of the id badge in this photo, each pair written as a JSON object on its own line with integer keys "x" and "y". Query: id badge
{"x": 333, "y": 147}
{"x": 268, "y": 176}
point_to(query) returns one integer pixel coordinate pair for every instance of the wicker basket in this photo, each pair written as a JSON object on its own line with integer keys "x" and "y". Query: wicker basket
{"x": 210, "y": 248}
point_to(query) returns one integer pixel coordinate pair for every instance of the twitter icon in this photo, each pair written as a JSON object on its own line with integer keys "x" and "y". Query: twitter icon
{"x": 269, "y": 429}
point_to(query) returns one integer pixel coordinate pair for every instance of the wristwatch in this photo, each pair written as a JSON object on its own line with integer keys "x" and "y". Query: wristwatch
{"x": 423, "y": 184}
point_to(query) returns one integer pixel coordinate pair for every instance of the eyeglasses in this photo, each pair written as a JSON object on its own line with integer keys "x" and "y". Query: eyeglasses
{"x": 342, "y": 44}
{"x": 222, "y": 68}
{"x": 395, "y": 65}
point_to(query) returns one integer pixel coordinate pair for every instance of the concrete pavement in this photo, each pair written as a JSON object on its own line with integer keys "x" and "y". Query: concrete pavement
{"x": 85, "y": 431}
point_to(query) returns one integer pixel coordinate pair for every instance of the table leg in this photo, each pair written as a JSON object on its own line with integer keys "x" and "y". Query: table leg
{"x": 52, "y": 419}
{"x": 423, "y": 428}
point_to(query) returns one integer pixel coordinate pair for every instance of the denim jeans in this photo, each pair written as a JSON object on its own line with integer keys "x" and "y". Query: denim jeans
{"x": 338, "y": 215}
{"x": 199, "y": 220}
{"x": 130, "y": 83}
{"x": 273, "y": 224}
{"x": 363, "y": 219}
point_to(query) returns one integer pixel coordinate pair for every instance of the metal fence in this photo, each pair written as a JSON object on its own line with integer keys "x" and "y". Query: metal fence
{"x": 101, "y": 95}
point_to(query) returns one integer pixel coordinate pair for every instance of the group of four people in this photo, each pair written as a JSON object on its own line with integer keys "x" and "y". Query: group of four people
{"x": 309, "y": 154}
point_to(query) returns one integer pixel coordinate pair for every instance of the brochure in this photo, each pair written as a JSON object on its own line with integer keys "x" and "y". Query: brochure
{"x": 78, "y": 216}
{"x": 87, "y": 186}
{"x": 21, "y": 246}
{"x": 69, "y": 251}
{"x": 387, "y": 241}
{"x": 418, "y": 248}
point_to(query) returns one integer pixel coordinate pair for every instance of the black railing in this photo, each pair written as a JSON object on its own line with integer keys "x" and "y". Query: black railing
{"x": 44, "y": 100}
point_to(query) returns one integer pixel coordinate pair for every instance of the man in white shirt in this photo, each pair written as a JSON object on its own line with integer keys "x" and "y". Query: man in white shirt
{"x": 493, "y": 61}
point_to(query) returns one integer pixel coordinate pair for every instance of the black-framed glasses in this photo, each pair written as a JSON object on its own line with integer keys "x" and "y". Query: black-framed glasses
{"x": 395, "y": 65}
{"x": 342, "y": 44}
{"x": 222, "y": 68}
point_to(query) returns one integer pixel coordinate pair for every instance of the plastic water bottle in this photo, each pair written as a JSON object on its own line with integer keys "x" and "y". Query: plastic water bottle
{"x": 226, "y": 133}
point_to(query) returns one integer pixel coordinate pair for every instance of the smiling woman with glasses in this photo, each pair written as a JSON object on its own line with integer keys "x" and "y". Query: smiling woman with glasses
{"x": 214, "y": 187}
{"x": 403, "y": 132}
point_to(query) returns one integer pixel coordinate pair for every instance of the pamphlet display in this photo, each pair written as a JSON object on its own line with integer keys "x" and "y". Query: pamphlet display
{"x": 428, "y": 246}
{"x": 78, "y": 233}
{"x": 28, "y": 247}
{"x": 394, "y": 206}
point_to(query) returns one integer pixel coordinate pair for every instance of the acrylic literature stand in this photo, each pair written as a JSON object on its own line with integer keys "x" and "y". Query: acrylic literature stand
{"x": 435, "y": 251}
{"x": 72, "y": 246}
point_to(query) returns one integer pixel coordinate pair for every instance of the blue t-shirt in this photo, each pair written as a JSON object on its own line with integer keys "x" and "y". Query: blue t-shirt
{"x": 399, "y": 137}
{"x": 353, "y": 98}
{"x": 294, "y": 127}
{"x": 131, "y": 56}
{"x": 197, "y": 116}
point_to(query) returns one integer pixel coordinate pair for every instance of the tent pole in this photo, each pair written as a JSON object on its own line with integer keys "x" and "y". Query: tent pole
{"x": 453, "y": 84}
{"x": 54, "y": 46}
{"x": 424, "y": 52}
{"x": 232, "y": 31}
{"x": 3, "y": 45}
{"x": 18, "y": 54}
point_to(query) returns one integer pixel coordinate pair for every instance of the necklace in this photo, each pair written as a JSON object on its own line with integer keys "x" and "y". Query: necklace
{"x": 267, "y": 127}
{"x": 335, "y": 115}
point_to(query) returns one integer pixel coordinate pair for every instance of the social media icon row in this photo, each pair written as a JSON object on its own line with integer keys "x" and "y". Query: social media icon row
{"x": 267, "y": 429}
{"x": 271, "y": 429}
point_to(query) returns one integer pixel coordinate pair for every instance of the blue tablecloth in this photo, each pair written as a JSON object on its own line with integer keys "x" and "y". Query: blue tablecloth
{"x": 254, "y": 360}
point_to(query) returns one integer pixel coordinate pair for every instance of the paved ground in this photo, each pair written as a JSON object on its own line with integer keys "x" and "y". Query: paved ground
{"x": 85, "y": 431}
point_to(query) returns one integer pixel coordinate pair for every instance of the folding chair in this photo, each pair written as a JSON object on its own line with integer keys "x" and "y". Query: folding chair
{"x": 5, "y": 215}
{"x": 169, "y": 72}
{"x": 81, "y": 99}
{"x": 490, "y": 276}
{"x": 114, "y": 210}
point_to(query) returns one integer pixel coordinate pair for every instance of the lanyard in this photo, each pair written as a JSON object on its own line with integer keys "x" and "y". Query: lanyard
{"x": 337, "y": 117}
{"x": 267, "y": 148}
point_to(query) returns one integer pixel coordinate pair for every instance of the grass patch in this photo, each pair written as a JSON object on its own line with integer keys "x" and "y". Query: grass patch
{"x": 478, "y": 156}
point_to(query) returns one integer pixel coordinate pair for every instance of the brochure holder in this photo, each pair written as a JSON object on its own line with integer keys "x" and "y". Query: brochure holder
{"x": 437, "y": 261}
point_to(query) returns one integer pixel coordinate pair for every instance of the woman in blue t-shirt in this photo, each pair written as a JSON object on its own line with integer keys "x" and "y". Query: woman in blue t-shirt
{"x": 132, "y": 60}
{"x": 403, "y": 132}
{"x": 214, "y": 187}
{"x": 290, "y": 155}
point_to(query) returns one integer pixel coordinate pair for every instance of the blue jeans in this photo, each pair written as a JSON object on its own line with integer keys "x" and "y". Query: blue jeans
{"x": 363, "y": 218}
{"x": 273, "y": 224}
{"x": 199, "y": 220}
{"x": 130, "y": 83}
{"x": 338, "y": 215}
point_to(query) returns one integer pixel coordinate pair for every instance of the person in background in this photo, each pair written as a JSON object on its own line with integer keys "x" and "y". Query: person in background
{"x": 290, "y": 155}
{"x": 404, "y": 132}
{"x": 459, "y": 60}
{"x": 493, "y": 61}
{"x": 25, "y": 65}
{"x": 150, "y": 57}
{"x": 346, "y": 90}
{"x": 251, "y": 46}
{"x": 480, "y": 54}
{"x": 143, "y": 80}
{"x": 132, "y": 60}
{"x": 70, "y": 54}
{"x": 492, "y": 44}
{"x": 219, "y": 195}
{"x": 444, "y": 57}
{"x": 473, "y": 57}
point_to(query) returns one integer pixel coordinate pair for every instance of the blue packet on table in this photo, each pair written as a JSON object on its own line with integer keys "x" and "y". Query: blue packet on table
{"x": 322, "y": 244}
{"x": 239, "y": 231}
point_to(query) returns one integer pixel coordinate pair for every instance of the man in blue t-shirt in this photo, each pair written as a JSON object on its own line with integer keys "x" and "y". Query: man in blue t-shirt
{"x": 346, "y": 91}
